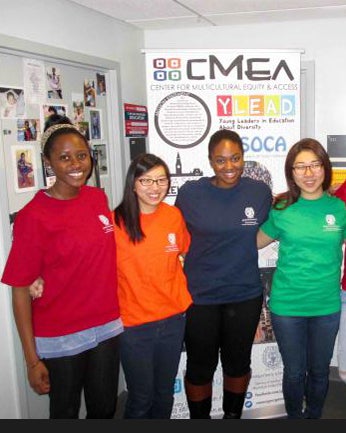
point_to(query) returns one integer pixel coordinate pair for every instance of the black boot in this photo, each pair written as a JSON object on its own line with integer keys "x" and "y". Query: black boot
{"x": 232, "y": 404}
{"x": 199, "y": 409}
{"x": 198, "y": 400}
{"x": 234, "y": 391}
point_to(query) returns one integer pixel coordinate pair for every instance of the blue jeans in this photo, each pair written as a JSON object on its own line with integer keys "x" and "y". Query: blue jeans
{"x": 306, "y": 345}
{"x": 150, "y": 356}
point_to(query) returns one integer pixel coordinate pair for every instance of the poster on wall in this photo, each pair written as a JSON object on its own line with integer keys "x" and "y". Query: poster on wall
{"x": 136, "y": 120}
{"x": 193, "y": 93}
{"x": 34, "y": 81}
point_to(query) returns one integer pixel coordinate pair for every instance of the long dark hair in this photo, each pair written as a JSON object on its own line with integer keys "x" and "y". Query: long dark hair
{"x": 283, "y": 200}
{"x": 128, "y": 212}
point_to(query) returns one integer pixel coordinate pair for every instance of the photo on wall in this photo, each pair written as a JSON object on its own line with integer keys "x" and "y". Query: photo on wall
{"x": 95, "y": 124}
{"x": 54, "y": 90}
{"x": 101, "y": 84}
{"x": 89, "y": 93}
{"x": 24, "y": 168}
{"x": 12, "y": 103}
{"x": 49, "y": 109}
{"x": 78, "y": 108}
{"x": 48, "y": 174}
{"x": 83, "y": 128}
{"x": 100, "y": 152}
{"x": 28, "y": 130}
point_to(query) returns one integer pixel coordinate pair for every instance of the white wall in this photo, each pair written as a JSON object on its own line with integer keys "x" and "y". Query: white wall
{"x": 322, "y": 40}
{"x": 9, "y": 395}
{"x": 64, "y": 25}
{"x": 67, "y": 25}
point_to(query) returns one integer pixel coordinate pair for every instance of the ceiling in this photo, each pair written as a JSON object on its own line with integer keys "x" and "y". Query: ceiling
{"x": 172, "y": 14}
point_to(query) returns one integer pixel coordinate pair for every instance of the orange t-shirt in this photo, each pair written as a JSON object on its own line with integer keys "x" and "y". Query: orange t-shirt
{"x": 152, "y": 283}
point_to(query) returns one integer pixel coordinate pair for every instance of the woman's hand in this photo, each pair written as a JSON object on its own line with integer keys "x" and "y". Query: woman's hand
{"x": 39, "y": 378}
{"x": 36, "y": 288}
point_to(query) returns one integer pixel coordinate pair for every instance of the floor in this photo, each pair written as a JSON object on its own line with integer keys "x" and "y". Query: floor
{"x": 335, "y": 405}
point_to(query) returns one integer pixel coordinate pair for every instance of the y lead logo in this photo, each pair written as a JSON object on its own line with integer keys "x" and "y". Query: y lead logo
{"x": 167, "y": 69}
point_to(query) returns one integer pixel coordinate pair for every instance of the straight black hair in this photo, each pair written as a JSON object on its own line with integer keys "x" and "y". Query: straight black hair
{"x": 128, "y": 212}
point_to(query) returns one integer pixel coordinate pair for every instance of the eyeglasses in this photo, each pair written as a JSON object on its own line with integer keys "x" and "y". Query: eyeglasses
{"x": 315, "y": 168}
{"x": 146, "y": 181}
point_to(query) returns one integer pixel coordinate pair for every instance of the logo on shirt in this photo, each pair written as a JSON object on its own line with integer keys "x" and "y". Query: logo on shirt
{"x": 330, "y": 219}
{"x": 250, "y": 219}
{"x": 172, "y": 243}
{"x": 331, "y": 224}
{"x": 107, "y": 226}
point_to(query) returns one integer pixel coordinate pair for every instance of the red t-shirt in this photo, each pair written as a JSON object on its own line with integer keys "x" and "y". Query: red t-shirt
{"x": 341, "y": 193}
{"x": 70, "y": 244}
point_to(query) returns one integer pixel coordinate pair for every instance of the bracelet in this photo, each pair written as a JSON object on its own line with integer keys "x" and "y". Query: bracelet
{"x": 34, "y": 364}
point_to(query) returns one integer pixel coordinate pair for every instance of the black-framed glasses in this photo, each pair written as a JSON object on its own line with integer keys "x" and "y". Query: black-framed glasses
{"x": 314, "y": 167}
{"x": 146, "y": 181}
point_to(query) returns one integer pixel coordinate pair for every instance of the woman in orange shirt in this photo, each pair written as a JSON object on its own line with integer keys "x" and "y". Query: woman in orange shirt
{"x": 151, "y": 236}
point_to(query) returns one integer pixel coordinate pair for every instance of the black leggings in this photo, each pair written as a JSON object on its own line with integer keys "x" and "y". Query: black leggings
{"x": 95, "y": 371}
{"x": 228, "y": 329}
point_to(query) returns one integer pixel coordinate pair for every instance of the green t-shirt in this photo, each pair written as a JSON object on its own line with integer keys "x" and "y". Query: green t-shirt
{"x": 311, "y": 233}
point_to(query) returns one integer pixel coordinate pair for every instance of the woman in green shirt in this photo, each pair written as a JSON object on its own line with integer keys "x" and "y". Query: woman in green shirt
{"x": 310, "y": 226}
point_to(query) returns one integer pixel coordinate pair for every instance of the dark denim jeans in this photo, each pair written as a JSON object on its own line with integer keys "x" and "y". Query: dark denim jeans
{"x": 306, "y": 345}
{"x": 150, "y": 356}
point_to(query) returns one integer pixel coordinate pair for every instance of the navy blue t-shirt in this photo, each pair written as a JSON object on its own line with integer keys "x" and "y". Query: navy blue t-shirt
{"x": 222, "y": 263}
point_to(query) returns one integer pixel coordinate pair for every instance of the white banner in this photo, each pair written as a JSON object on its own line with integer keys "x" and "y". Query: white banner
{"x": 193, "y": 93}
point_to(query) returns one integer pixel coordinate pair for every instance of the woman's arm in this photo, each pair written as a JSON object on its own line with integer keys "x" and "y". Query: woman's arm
{"x": 263, "y": 240}
{"x": 37, "y": 371}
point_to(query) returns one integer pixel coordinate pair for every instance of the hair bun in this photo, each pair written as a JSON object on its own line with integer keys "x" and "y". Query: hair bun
{"x": 56, "y": 119}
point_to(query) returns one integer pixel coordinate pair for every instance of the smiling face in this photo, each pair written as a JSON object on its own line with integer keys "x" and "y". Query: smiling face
{"x": 10, "y": 98}
{"x": 227, "y": 161}
{"x": 308, "y": 174}
{"x": 150, "y": 196}
{"x": 71, "y": 162}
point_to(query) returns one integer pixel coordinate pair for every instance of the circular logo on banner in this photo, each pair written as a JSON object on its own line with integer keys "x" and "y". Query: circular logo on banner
{"x": 182, "y": 120}
{"x": 271, "y": 357}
